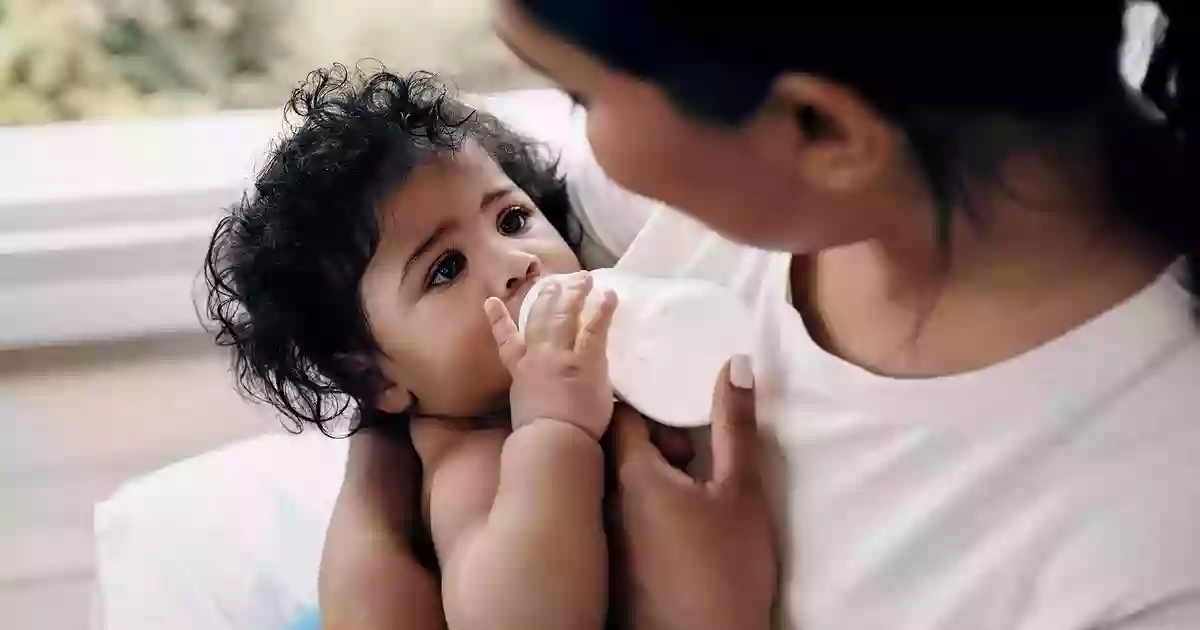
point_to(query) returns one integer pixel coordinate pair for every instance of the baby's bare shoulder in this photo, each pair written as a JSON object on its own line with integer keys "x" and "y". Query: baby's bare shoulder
{"x": 436, "y": 439}
{"x": 460, "y": 463}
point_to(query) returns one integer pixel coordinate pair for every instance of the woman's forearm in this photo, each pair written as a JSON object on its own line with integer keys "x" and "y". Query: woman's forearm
{"x": 385, "y": 592}
{"x": 541, "y": 559}
{"x": 370, "y": 578}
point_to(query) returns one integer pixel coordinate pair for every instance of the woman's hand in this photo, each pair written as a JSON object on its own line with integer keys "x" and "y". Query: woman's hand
{"x": 370, "y": 577}
{"x": 560, "y": 365}
{"x": 697, "y": 555}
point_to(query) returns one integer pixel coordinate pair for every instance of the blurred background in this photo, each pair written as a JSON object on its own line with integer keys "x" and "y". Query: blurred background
{"x": 88, "y": 59}
{"x": 125, "y": 126}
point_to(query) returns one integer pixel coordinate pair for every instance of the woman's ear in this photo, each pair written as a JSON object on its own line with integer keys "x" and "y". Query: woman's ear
{"x": 837, "y": 141}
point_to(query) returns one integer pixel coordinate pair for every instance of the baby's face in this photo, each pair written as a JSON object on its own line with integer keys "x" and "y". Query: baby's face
{"x": 455, "y": 233}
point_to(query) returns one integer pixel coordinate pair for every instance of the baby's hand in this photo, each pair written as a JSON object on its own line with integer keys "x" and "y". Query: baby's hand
{"x": 560, "y": 366}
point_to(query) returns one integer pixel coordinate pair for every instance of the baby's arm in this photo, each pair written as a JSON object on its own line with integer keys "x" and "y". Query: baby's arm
{"x": 517, "y": 525}
{"x": 537, "y": 558}
{"x": 541, "y": 560}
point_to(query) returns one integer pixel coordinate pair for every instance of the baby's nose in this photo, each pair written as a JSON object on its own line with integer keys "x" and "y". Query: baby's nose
{"x": 524, "y": 274}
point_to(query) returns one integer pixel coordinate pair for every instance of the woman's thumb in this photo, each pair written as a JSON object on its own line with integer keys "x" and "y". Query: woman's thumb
{"x": 734, "y": 425}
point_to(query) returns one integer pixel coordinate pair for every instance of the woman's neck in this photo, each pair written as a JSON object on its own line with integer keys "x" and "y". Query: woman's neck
{"x": 1041, "y": 261}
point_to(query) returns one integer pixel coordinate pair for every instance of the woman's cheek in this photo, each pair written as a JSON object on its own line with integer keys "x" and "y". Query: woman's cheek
{"x": 605, "y": 145}
{"x": 626, "y": 151}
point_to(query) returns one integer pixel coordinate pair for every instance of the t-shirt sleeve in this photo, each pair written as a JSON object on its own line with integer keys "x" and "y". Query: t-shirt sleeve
{"x": 543, "y": 115}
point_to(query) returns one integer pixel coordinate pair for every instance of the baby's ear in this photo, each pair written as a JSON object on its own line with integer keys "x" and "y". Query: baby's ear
{"x": 394, "y": 397}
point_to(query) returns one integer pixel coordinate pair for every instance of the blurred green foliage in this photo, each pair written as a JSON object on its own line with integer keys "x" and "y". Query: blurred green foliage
{"x": 72, "y": 59}
{"x": 69, "y": 59}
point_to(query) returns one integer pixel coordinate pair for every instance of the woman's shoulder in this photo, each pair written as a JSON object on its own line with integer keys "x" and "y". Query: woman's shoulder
{"x": 1131, "y": 548}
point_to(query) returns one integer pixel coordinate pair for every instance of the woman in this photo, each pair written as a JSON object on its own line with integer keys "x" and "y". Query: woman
{"x": 976, "y": 364}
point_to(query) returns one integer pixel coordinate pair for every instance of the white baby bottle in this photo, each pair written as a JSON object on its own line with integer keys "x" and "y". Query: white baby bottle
{"x": 668, "y": 341}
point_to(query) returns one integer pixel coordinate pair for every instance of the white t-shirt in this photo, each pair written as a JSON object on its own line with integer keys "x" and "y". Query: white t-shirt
{"x": 1056, "y": 490}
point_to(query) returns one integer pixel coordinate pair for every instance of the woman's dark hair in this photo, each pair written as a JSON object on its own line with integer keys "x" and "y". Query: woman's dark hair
{"x": 283, "y": 267}
{"x": 939, "y": 77}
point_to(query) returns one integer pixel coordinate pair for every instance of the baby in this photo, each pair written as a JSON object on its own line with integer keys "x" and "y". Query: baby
{"x": 356, "y": 277}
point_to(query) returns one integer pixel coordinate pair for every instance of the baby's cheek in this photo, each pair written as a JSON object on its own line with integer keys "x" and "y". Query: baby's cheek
{"x": 564, "y": 260}
{"x": 469, "y": 373}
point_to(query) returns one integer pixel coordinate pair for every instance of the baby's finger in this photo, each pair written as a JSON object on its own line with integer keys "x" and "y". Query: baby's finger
{"x": 593, "y": 339}
{"x": 570, "y": 309}
{"x": 504, "y": 331}
{"x": 541, "y": 317}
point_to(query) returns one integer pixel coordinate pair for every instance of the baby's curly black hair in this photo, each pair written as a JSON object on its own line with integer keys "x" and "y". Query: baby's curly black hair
{"x": 283, "y": 267}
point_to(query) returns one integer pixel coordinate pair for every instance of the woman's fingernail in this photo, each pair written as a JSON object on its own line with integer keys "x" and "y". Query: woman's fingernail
{"x": 741, "y": 375}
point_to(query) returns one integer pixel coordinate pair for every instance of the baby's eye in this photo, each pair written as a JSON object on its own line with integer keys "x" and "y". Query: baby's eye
{"x": 513, "y": 221}
{"x": 446, "y": 270}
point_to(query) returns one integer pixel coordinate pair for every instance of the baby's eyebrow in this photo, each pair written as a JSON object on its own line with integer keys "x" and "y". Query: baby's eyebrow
{"x": 430, "y": 241}
{"x": 490, "y": 197}
{"x": 427, "y": 245}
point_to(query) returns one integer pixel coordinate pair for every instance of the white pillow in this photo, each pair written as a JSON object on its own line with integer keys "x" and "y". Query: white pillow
{"x": 227, "y": 540}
